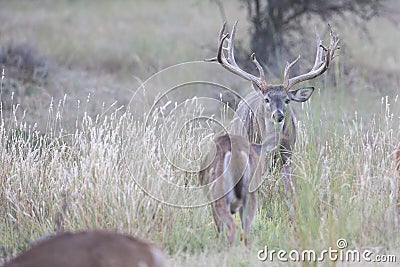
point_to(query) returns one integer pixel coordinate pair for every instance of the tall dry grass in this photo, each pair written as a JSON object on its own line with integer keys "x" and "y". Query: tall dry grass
{"x": 117, "y": 172}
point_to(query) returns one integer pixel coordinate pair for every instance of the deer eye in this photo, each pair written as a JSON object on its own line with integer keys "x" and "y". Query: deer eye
{"x": 267, "y": 100}
{"x": 287, "y": 101}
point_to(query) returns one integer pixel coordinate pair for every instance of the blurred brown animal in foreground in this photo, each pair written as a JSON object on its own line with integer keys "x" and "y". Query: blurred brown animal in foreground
{"x": 90, "y": 249}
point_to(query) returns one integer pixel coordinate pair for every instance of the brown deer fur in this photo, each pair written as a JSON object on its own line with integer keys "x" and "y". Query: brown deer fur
{"x": 90, "y": 249}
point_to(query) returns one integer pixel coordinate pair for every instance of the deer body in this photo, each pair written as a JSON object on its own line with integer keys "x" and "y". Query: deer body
{"x": 257, "y": 118}
{"x": 90, "y": 249}
{"x": 267, "y": 107}
{"x": 231, "y": 180}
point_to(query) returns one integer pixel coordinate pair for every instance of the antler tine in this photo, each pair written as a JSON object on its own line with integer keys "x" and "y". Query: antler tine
{"x": 220, "y": 48}
{"x": 231, "y": 55}
{"x": 318, "y": 55}
{"x": 229, "y": 62}
{"x": 259, "y": 67}
{"x": 323, "y": 58}
{"x": 221, "y": 39}
{"x": 287, "y": 71}
{"x": 334, "y": 41}
{"x": 221, "y": 32}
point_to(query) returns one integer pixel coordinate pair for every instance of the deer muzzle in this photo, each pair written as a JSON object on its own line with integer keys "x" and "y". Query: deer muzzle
{"x": 278, "y": 116}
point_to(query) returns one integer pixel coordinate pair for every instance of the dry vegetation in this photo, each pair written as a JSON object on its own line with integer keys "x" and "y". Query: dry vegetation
{"x": 70, "y": 161}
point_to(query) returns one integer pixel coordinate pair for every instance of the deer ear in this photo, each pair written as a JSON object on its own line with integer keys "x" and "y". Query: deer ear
{"x": 301, "y": 95}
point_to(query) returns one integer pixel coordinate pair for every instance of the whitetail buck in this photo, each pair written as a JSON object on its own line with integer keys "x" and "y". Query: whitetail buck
{"x": 90, "y": 249}
{"x": 231, "y": 180}
{"x": 268, "y": 106}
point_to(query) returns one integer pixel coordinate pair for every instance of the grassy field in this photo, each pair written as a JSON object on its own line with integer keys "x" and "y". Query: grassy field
{"x": 112, "y": 136}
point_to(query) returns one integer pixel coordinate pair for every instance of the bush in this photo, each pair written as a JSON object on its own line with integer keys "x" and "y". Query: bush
{"x": 22, "y": 62}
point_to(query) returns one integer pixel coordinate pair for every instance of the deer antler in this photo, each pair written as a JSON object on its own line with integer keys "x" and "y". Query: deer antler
{"x": 322, "y": 60}
{"x": 229, "y": 62}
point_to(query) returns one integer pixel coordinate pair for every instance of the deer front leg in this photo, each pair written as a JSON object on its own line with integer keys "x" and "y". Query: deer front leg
{"x": 287, "y": 167}
{"x": 287, "y": 177}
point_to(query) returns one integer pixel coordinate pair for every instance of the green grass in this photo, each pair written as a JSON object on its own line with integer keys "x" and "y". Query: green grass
{"x": 72, "y": 162}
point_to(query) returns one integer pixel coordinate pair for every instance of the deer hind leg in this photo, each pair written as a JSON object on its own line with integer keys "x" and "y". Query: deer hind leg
{"x": 247, "y": 213}
{"x": 223, "y": 219}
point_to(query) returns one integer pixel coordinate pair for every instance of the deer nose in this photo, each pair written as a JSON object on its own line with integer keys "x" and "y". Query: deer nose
{"x": 278, "y": 116}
